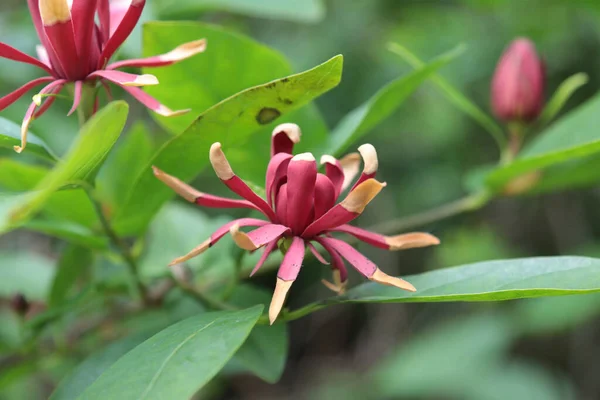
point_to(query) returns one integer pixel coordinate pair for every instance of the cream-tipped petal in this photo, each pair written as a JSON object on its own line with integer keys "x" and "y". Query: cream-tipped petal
{"x": 327, "y": 159}
{"x": 369, "y": 156}
{"x": 181, "y": 188}
{"x": 303, "y": 157}
{"x": 167, "y": 112}
{"x": 142, "y": 80}
{"x": 185, "y": 50}
{"x": 381, "y": 277}
{"x": 337, "y": 286}
{"x": 220, "y": 163}
{"x": 24, "y": 130}
{"x": 350, "y": 165}
{"x": 201, "y": 248}
{"x": 292, "y": 131}
{"x": 281, "y": 289}
{"x": 241, "y": 239}
{"x": 411, "y": 241}
{"x": 357, "y": 199}
{"x": 54, "y": 11}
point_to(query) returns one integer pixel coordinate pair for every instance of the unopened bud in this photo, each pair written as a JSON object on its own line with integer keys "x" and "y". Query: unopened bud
{"x": 19, "y": 304}
{"x": 518, "y": 83}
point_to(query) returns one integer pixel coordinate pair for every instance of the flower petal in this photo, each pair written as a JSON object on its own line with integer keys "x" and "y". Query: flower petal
{"x": 123, "y": 29}
{"x": 281, "y": 204}
{"x": 216, "y": 236}
{"x": 179, "y": 53}
{"x": 34, "y": 10}
{"x": 324, "y": 195}
{"x": 151, "y": 102}
{"x": 392, "y": 243}
{"x": 125, "y": 79}
{"x": 77, "y": 91}
{"x": 288, "y": 271}
{"x": 258, "y": 237}
{"x": 316, "y": 253}
{"x": 10, "y": 98}
{"x": 83, "y": 13}
{"x": 350, "y": 165}
{"x": 284, "y": 137}
{"x": 194, "y": 196}
{"x": 370, "y": 161}
{"x": 268, "y": 249}
{"x": 234, "y": 183}
{"x": 337, "y": 262}
{"x": 335, "y": 173}
{"x": 104, "y": 18}
{"x": 276, "y": 175}
{"x": 351, "y": 207}
{"x": 302, "y": 176}
{"x": 11, "y": 53}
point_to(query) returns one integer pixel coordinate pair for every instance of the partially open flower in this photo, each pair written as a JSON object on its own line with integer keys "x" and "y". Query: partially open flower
{"x": 518, "y": 83}
{"x": 76, "y": 48}
{"x": 301, "y": 209}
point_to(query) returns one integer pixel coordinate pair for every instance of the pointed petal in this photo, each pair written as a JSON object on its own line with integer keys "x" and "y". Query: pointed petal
{"x": 11, "y": 53}
{"x": 350, "y": 165}
{"x": 20, "y": 92}
{"x": 381, "y": 277}
{"x": 268, "y": 249}
{"x": 281, "y": 289}
{"x": 276, "y": 175}
{"x": 151, "y": 102}
{"x": 392, "y": 243}
{"x": 324, "y": 195}
{"x": 216, "y": 236}
{"x": 335, "y": 173}
{"x": 287, "y": 274}
{"x": 124, "y": 28}
{"x": 302, "y": 176}
{"x": 125, "y": 79}
{"x": 258, "y": 237}
{"x": 284, "y": 137}
{"x": 370, "y": 163}
{"x": 179, "y": 53}
{"x": 76, "y": 97}
{"x": 234, "y": 183}
{"x": 351, "y": 207}
{"x": 316, "y": 253}
{"x": 194, "y": 196}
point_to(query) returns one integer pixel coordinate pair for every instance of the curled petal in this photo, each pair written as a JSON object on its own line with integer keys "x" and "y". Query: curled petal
{"x": 276, "y": 175}
{"x": 392, "y": 243}
{"x": 350, "y": 165}
{"x": 335, "y": 173}
{"x": 152, "y": 103}
{"x": 301, "y": 175}
{"x": 281, "y": 204}
{"x": 351, "y": 207}
{"x": 126, "y": 79}
{"x": 324, "y": 195}
{"x": 338, "y": 286}
{"x": 268, "y": 249}
{"x": 284, "y": 137}
{"x": 20, "y": 92}
{"x": 370, "y": 161}
{"x": 258, "y": 237}
{"x": 179, "y": 53}
{"x": 288, "y": 271}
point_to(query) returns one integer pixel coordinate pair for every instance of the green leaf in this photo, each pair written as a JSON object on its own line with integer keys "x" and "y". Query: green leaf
{"x": 178, "y": 361}
{"x": 10, "y": 136}
{"x": 578, "y": 173}
{"x": 91, "y": 147}
{"x": 454, "y": 96}
{"x": 73, "y": 262}
{"x": 26, "y": 273}
{"x": 383, "y": 103}
{"x": 490, "y": 281}
{"x": 231, "y": 122}
{"x": 265, "y": 351}
{"x": 560, "y": 97}
{"x": 69, "y": 231}
{"x": 572, "y": 137}
{"x": 289, "y": 10}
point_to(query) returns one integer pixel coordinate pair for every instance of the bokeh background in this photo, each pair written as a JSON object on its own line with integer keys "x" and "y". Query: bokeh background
{"x": 532, "y": 349}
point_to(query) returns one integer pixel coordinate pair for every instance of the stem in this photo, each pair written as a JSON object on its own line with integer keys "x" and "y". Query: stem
{"x": 205, "y": 299}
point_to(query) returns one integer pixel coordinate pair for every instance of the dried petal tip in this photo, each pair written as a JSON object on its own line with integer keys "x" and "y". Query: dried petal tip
{"x": 281, "y": 289}
{"x": 362, "y": 195}
{"x": 350, "y": 165}
{"x": 166, "y": 112}
{"x": 196, "y": 251}
{"x": 220, "y": 163}
{"x": 185, "y": 50}
{"x": 411, "y": 241}
{"x": 181, "y": 188}
{"x": 381, "y": 277}
{"x": 291, "y": 130}
{"x": 242, "y": 239}
{"x": 303, "y": 157}
{"x": 327, "y": 159}
{"x": 143, "y": 80}
{"x": 369, "y": 156}
{"x": 54, "y": 11}
{"x": 337, "y": 286}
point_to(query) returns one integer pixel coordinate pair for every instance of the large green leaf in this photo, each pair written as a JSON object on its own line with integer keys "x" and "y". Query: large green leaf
{"x": 25, "y": 273}
{"x": 572, "y": 137}
{"x": 491, "y": 281}
{"x": 178, "y": 361}
{"x": 231, "y": 122}
{"x": 92, "y": 145}
{"x": 208, "y": 78}
{"x": 10, "y": 136}
{"x": 291, "y": 10}
{"x": 383, "y": 103}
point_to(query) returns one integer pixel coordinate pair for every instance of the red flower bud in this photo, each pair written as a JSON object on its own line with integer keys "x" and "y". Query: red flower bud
{"x": 518, "y": 84}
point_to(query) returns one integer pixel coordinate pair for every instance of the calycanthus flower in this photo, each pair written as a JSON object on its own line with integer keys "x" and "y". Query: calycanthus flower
{"x": 76, "y": 49}
{"x": 301, "y": 209}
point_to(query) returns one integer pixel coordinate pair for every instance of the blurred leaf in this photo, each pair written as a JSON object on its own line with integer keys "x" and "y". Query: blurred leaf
{"x": 69, "y": 231}
{"x": 574, "y": 136}
{"x": 73, "y": 262}
{"x": 26, "y": 273}
{"x": 490, "y": 281}
{"x": 10, "y": 136}
{"x": 178, "y": 361}
{"x": 91, "y": 147}
{"x": 560, "y": 97}
{"x": 569, "y": 175}
{"x": 231, "y": 122}
{"x": 383, "y": 103}
{"x": 73, "y": 385}
{"x": 265, "y": 351}
{"x": 454, "y": 96}
{"x": 289, "y": 10}
{"x": 10, "y": 330}
{"x": 124, "y": 164}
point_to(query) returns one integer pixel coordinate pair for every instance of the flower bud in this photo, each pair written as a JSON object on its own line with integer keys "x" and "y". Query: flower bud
{"x": 518, "y": 83}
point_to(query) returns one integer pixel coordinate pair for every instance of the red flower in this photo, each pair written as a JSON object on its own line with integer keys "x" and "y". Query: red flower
{"x": 301, "y": 209}
{"x": 76, "y": 49}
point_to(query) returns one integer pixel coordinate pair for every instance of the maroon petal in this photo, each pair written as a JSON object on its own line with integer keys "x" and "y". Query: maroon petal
{"x": 83, "y": 13}
{"x": 258, "y": 237}
{"x": 194, "y": 196}
{"x": 288, "y": 271}
{"x": 281, "y": 204}
{"x": 20, "y": 92}
{"x": 301, "y": 180}
{"x": 351, "y": 207}
{"x": 324, "y": 195}
{"x": 276, "y": 175}
{"x": 284, "y": 137}
{"x": 398, "y": 242}
{"x": 316, "y": 253}
{"x": 370, "y": 161}
{"x": 125, "y": 79}
{"x": 179, "y": 53}
{"x": 104, "y": 18}
{"x": 268, "y": 249}
{"x": 34, "y": 10}
{"x": 335, "y": 173}
{"x": 76, "y": 96}
{"x": 234, "y": 183}
{"x": 123, "y": 30}
{"x": 11, "y": 53}
{"x": 151, "y": 102}
{"x": 215, "y": 237}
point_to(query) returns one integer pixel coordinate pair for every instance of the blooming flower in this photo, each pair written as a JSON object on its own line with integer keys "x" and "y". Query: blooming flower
{"x": 518, "y": 83}
{"x": 74, "y": 48}
{"x": 301, "y": 209}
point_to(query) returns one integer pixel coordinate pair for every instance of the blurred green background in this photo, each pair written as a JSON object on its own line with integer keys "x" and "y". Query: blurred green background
{"x": 538, "y": 349}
